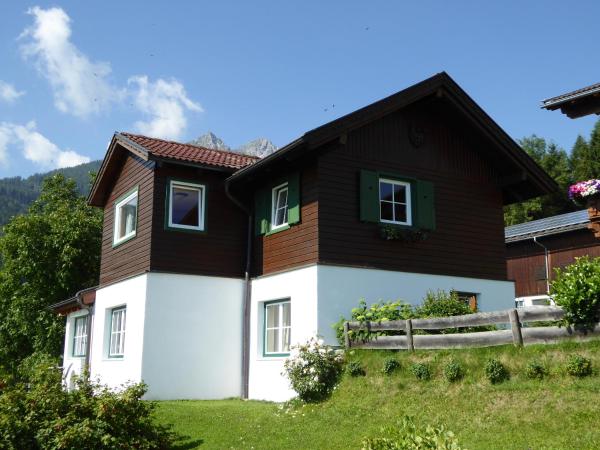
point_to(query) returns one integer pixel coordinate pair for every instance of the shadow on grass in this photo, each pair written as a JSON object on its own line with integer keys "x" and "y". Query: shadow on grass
{"x": 182, "y": 443}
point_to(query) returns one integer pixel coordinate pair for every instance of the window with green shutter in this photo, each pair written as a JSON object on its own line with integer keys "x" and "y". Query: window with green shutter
{"x": 277, "y": 206}
{"x": 397, "y": 200}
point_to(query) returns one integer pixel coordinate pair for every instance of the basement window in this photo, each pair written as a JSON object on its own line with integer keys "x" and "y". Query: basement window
{"x": 80, "y": 330}
{"x": 126, "y": 209}
{"x": 186, "y": 206}
{"x": 394, "y": 202}
{"x": 279, "y": 214}
{"x": 278, "y": 328}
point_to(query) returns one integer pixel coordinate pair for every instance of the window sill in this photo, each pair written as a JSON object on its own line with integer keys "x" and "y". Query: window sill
{"x": 278, "y": 229}
{"x": 274, "y": 357}
{"x": 123, "y": 241}
{"x": 185, "y": 230}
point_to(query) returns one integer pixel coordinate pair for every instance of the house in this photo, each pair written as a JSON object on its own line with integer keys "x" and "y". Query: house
{"x": 214, "y": 264}
{"x": 579, "y": 103}
{"x": 535, "y": 249}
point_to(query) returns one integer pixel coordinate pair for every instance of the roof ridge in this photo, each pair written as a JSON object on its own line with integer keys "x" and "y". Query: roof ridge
{"x": 168, "y": 141}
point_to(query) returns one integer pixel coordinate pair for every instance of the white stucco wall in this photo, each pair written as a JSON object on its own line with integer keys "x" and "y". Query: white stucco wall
{"x": 340, "y": 289}
{"x": 193, "y": 337}
{"x": 320, "y": 294}
{"x": 300, "y": 286}
{"x": 116, "y": 371}
{"x": 72, "y": 365}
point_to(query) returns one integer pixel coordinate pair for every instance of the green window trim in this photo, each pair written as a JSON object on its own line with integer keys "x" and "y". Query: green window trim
{"x": 194, "y": 184}
{"x": 422, "y": 200}
{"x": 80, "y": 336}
{"x": 118, "y": 242}
{"x": 266, "y": 354}
{"x": 122, "y": 332}
{"x": 263, "y": 205}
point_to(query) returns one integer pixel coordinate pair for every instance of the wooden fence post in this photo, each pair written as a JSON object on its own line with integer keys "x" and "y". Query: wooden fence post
{"x": 410, "y": 345}
{"x": 346, "y": 337}
{"x": 515, "y": 325}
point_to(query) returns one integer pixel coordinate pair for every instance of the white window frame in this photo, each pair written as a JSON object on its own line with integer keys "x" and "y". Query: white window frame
{"x": 278, "y": 305}
{"x": 408, "y": 203}
{"x": 118, "y": 217}
{"x": 79, "y": 341}
{"x": 119, "y": 351}
{"x": 201, "y": 198}
{"x": 274, "y": 197}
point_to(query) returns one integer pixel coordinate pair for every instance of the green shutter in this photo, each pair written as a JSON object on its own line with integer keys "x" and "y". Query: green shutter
{"x": 425, "y": 207}
{"x": 262, "y": 211}
{"x": 293, "y": 198}
{"x": 369, "y": 196}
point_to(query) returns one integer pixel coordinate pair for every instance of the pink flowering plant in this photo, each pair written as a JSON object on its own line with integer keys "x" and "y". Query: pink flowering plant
{"x": 580, "y": 192}
{"x": 314, "y": 370}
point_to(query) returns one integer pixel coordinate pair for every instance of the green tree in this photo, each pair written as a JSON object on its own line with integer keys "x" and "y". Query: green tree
{"x": 585, "y": 156}
{"x": 47, "y": 255}
{"x": 555, "y": 162}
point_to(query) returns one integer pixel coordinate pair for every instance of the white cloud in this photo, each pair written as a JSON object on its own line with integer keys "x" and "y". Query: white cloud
{"x": 36, "y": 147}
{"x": 8, "y": 92}
{"x": 5, "y": 137}
{"x": 164, "y": 103}
{"x": 80, "y": 86}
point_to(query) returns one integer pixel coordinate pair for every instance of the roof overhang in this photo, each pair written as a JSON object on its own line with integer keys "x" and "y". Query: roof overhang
{"x": 579, "y": 103}
{"x": 522, "y": 179}
{"x": 119, "y": 146}
{"x": 84, "y": 298}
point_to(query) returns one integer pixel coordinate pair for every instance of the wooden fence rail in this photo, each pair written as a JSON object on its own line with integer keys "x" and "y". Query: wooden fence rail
{"x": 516, "y": 334}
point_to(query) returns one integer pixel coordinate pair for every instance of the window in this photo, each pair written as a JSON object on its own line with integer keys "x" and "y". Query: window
{"x": 397, "y": 200}
{"x": 116, "y": 345}
{"x": 470, "y": 299}
{"x": 277, "y": 205}
{"x": 394, "y": 202}
{"x": 279, "y": 216}
{"x": 126, "y": 217}
{"x": 277, "y": 328}
{"x": 519, "y": 303}
{"x": 186, "y": 206}
{"x": 80, "y": 329}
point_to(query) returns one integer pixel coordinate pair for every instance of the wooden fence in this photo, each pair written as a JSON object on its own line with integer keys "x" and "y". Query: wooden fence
{"x": 516, "y": 334}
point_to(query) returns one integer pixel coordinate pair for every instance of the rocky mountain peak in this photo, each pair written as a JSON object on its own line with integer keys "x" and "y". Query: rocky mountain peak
{"x": 210, "y": 140}
{"x": 260, "y": 147}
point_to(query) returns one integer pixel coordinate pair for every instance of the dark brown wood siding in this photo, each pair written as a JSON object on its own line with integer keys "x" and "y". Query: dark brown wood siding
{"x": 525, "y": 260}
{"x": 297, "y": 246}
{"x": 131, "y": 257}
{"x": 220, "y": 250}
{"x": 469, "y": 239}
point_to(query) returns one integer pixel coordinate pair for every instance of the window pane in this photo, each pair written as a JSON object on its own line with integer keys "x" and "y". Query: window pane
{"x": 273, "y": 316}
{"x": 185, "y": 205}
{"x": 399, "y": 193}
{"x": 286, "y": 315}
{"x": 273, "y": 341}
{"x": 400, "y": 212}
{"x": 387, "y": 211}
{"x": 127, "y": 217}
{"x": 385, "y": 191}
{"x": 280, "y": 217}
{"x": 286, "y": 339}
{"x": 282, "y": 198}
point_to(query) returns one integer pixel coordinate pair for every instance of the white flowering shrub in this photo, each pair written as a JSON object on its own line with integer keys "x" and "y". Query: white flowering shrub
{"x": 313, "y": 369}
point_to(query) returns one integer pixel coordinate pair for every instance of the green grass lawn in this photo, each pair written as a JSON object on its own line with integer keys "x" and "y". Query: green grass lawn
{"x": 556, "y": 413}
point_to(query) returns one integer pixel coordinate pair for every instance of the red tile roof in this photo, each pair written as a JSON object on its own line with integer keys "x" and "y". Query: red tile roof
{"x": 190, "y": 153}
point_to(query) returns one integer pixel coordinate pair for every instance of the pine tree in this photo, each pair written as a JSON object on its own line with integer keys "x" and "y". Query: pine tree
{"x": 578, "y": 159}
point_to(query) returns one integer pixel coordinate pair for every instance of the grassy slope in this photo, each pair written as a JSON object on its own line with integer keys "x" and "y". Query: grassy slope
{"x": 557, "y": 413}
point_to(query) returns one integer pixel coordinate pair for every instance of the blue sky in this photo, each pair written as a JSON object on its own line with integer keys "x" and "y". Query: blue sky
{"x": 73, "y": 72}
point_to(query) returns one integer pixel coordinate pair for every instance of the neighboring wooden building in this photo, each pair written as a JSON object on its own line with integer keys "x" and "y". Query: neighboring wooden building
{"x": 214, "y": 263}
{"x": 535, "y": 249}
{"x": 576, "y": 104}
